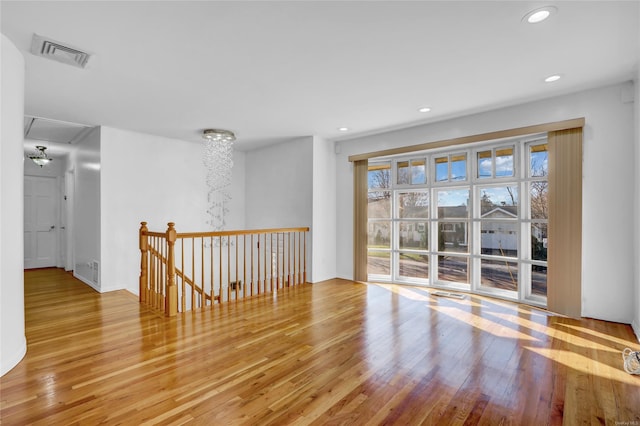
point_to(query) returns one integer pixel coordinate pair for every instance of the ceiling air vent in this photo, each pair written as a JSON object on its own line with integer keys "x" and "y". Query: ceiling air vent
{"x": 47, "y": 48}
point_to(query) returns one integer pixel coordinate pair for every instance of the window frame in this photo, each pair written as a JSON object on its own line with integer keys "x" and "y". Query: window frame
{"x": 520, "y": 148}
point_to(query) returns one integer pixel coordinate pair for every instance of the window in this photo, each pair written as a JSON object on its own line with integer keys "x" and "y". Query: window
{"x": 379, "y": 176}
{"x": 496, "y": 162}
{"x": 537, "y": 219}
{"x": 450, "y": 168}
{"x": 413, "y": 204}
{"x": 379, "y": 232}
{"x": 504, "y": 162}
{"x": 447, "y": 222}
{"x": 411, "y": 172}
{"x": 453, "y": 221}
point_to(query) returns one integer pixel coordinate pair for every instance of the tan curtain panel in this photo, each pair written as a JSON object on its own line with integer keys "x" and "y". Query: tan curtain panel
{"x": 564, "y": 278}
{"x": 360, "y": 188}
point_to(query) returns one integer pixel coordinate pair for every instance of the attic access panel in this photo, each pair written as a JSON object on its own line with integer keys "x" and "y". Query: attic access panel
{"x": 44, "y": 129}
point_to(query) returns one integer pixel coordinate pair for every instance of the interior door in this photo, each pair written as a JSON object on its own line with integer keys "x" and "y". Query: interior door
{"x": 40, "y": 218}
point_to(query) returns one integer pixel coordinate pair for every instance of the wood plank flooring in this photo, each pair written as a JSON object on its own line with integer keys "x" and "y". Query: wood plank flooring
{"x": 337, "y": 352}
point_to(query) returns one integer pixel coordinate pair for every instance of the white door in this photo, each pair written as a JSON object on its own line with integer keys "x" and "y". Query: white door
{"x": 40, "y": 218}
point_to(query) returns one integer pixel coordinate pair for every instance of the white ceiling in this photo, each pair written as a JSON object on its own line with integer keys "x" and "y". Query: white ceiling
{"x": 271, "y": 71}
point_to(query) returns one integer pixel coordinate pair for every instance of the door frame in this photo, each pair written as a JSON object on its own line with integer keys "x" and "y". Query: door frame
{"x": 69, "y": 199}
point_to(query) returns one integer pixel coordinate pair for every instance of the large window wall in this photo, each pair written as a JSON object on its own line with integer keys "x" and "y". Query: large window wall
{"x": 472, "y": 218}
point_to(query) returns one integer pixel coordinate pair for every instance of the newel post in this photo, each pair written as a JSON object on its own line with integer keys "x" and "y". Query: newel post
{"x": 144, "y": 253}
{"x": 171, "y": 298}
{"x": 304, "y": 270}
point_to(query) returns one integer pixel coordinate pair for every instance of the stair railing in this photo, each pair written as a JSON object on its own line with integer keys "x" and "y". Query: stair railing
{"x": 186, "y": 271}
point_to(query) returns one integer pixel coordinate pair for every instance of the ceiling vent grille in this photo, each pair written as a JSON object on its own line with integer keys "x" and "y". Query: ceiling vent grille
{"x": 47, "y": 48}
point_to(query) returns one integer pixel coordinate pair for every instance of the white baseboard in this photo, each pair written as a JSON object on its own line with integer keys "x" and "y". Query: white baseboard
{"x": 87, "y": 282}
{"x": 108, "y": 289}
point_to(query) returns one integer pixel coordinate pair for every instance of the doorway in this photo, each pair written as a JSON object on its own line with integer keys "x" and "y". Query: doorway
{"x": 41, "y": 233}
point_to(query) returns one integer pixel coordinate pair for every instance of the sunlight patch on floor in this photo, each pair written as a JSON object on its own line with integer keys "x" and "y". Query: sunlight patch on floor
{"x": 596, "y": 333}
{"x": 484, "y": 324}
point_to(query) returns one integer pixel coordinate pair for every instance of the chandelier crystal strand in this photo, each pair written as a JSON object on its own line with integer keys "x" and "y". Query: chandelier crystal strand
{"x": 218, "y": 161}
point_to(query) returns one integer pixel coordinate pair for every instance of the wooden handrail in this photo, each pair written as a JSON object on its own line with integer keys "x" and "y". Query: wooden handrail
{"x": 240, "y": 232}
{"x": 235, "y": 267}
{"x": 227, "y": 233}
{"x": 155, "y": 234}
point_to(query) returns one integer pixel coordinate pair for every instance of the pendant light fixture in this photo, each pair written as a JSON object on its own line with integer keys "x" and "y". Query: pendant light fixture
{"x": 40, "y": 156}
{"x": 218, "y": 162}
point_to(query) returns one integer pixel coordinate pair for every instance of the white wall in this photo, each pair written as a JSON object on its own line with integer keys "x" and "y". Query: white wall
{"x": 157, "y": 180}
{"x": 608, "y": 168}
{"x": 636, "y": 317}
{"x": 85, "y": 160}
{"x": 279, "y": 183}
{"x": 324, "y": 211}
{"x": 237, "y": 209}
{"x": 13, "y": 344}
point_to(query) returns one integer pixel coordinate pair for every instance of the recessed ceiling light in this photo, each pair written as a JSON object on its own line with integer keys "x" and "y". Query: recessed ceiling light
{"x": 424, "y": 109}
{"x": 343, "y": 129}
{"x": 539, "y": 15}
{"x": 552, "y": 78}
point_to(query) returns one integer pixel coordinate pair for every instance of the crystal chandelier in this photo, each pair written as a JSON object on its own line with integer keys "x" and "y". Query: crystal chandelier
{"x": 40, "y": 156}
{"x": 218, "y": 162}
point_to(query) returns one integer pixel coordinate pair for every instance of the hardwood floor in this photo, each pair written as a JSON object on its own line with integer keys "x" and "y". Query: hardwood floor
{"x": 337, "y": 352}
